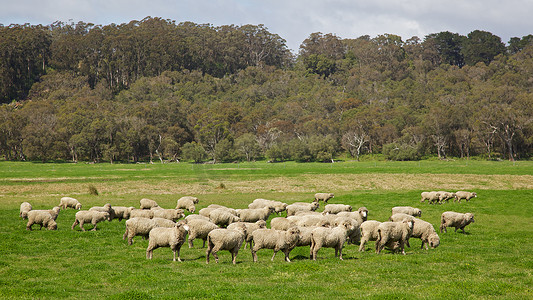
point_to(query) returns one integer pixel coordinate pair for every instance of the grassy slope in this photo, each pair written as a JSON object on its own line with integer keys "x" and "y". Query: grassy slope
{"x": 493, "y": 260}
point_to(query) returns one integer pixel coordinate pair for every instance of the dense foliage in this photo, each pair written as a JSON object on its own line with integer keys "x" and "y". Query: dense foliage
{"x": 154, "y": 89}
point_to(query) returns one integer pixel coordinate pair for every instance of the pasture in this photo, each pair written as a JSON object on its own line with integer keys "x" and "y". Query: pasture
{"x": 494, "y": 259}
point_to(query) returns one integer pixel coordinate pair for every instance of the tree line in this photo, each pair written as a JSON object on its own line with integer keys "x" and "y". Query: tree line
{"x": 155, "y": 89}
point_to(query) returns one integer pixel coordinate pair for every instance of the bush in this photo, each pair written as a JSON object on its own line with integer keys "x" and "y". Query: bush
{"x": 402, "y": 152}
{"x": 194, "y": 151}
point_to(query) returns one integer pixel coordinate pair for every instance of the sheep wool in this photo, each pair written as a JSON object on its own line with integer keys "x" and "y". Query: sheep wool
{"x": 330, "y": 238}
{"x": 415, "y": 212}
{"x": 390, "y": 233}
{"x": 148, "y": 203}
{"x": 323, "y": 197}
{"x": 41, "y": 217}
{"x": 187, "y": 202}
{"x": 275, "y": 239}
{"x": 464, "y": 195}
{"x": 455, "y": 219}
{"x": 25, "y": 207}
{"x": 199, "y": 229}
{"x": 69, "y": 202}
{"x": 250, "y": 228}
{"x": 369, "y": 232}
{"x": 337, "y": 208}
{"x": 225, "y": 239}
{"x": 90, "y": 216}
{"x": 139, "y": 226}
{"x": 167, "y": 237}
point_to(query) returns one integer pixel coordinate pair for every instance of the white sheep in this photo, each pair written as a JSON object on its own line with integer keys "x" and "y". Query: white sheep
{"x": 337, "y": 208}
{"x": 323, "y": 197}
{"x": 278, "y": 206}
{"x": 254, "y": 215}
{"x": 66, "y": 202}
{"x": 193, "y": 216}
{"x": 229, "y": 209}
{"x": 309, "y": 220}
{"x": 415, "y": 212}
{"x": 455, "y": 219}
{"x": 206, "y": 211}
{"x": 250, "y": 228}
{"x": 431, "y": 197}
{"x": 25, "y": 207}
{"x": 390, "y": 233}
{"x": 171, "y": 214}
{"x": 148, "y": 203}
{"x": 187, "y": 202}
{"x": 301, "y": 206}
{"x": 90, "y": 216}
{"x": 141, "y": 213}
{"x": 54, "y": 212}
{"x": 426, "y": 233}
{"x": 122, "y": 212}
{"x": 199, "y": 229}
{"x": 167, "y": 237}
{"x": 41, "y": 217}
{"x": 445, "y": 196}
{"x": 355, "y": 236}
{"x": 399, "y": 217}
{"x": 106, "y": 208}
{"x": 139, "y": 226}
{"x": 369, "y": 232}
{"x": 360, "y": 215}
{"x": 281, "y": 223}
{"x": 222, "y": 217}
{"x": 277, "y": 240}
{"x": 464, "y": 195}
{"x": 225, "y": 239}
{"x": 331, "y": 238}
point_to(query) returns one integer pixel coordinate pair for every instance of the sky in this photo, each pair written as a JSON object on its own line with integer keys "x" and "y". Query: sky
{"x": 294, "y": 20}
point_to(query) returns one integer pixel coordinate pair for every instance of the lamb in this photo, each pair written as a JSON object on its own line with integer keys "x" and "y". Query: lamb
{"x": 167, "y": 237}
{"x": 170, "y": 214}
{"x": 431, "y": 197}
{"x": 369, "y": 232}
{"x": 250, "y": 228}
{"x": 415, "y": 212}
{"x": 299, "y": 206}
{"x": 445, "y": 196}
{"x": 141, "y": 213}
{"x": 455, "y": 219}
{"x": 122, "y": 212}
{"x": 187, "y": 203}
{"x": 139, "y": 226}
{"x": 199, "y": 229}
{"x": 360, "y": 215}
{"x": 222, "y": 217}
{"x": 260, "y": 203}
{"x": 254, "y": 215}
{"x": 69, "y": 202}
{"x": 390, "y": 233}
{"x": 330, "y": 238}
{"x": 464, "y": 195}
{"x": 25, "y": 207}
{"x": 226, "y": 239}
{"x": 337, "y": 208}
{"x": 106, "y": 208}
{"x": 41, "y": 217}
{"x": 281, "y": 223}
{"x": 323, "y": 197}
{"x": 90, "y": 216}
{"x": 275, "y": 239}
{"x": 147, "y": 203}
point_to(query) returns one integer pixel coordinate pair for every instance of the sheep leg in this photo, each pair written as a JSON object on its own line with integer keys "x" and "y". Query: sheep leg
{"x": 149, "y": 253}
{"x": 207, "y": 253}
{"x": 340, "y": 252}
{"x": 94, "y": 228}
{"x": 254, "y": 254}
{"x": 233, "y": 256}
{"x": 81, "y": 226}
{"x": 125, "y": 234}
{"x": 28, "y": 226}
{"x": 287, "y": 252}
{"x": 272, "y": 259}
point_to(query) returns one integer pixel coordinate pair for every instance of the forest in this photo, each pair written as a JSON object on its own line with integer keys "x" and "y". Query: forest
{"x": 160, "y": 90}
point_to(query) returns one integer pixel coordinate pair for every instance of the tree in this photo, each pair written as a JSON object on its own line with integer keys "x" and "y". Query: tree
{"x": 482, "y": 46}
{"x": 449, "y": 46}
{"x": 193, "y": 151}
{"x": 248, "y": 146}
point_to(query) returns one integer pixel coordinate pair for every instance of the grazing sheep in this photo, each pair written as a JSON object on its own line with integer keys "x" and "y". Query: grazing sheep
{"x": 187, "y": 203}
{"x": 122, "y": 212}
{"x": 226, "y": 239}
{"x": 54, "y": 212}
{"x": 323, "y": 197}
{"x": 445, "y": 196}
{"x": 193, "y": 216}
{"x": 360, "y": 215}
{"x": 170, "y": 214}
{"x": 355, "y": 236}
{"x": 399, "y": 217}
{"x": 455, "y": 219}
{"x": 390, "y": 233}
{"x": 147, "y": 203}
{"x": 369, "y": 232}
{"x": 331, "y": 238}
{"x": 415, "y": 212}
{"x": 199, "y": 229}
{"x": 275, "y": 239}
{"x": 41, "y": 217}
{"x": 106, "y": 208}
{"x": 25, "y": 207}
{"x": 305, "y": 236}
{"x": 250, "y": 228}
{"x": 69, "y": 202}
{"x": 309, "y": 220}
{"x": 300, "y": 206}
{"x": 90, "y": 216}
{"x": 281, "y": 223}
{"x": 167, "y": 237}
{"x": 426, "y": 233}
{"x": 254, "y": 215}
{"x": 278, "y": 206}
{"x": 206, "y": 211}
{"x": 464, "y": 195}
{"x": 139, "y": 226}
{"x": 431, "y": 197}
{"x": 229, "y": 209}
{"x": 141, "y": 213}
{"x": 337, "y": 208}
{"x": 222, "y": 217}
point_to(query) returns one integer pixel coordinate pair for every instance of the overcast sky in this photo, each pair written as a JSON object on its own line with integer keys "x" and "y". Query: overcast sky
{"x": 294, "y": 20}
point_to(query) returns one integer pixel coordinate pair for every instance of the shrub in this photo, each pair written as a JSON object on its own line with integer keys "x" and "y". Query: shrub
{"x": 194, "y": 151}
{"x": 402, "y": 152}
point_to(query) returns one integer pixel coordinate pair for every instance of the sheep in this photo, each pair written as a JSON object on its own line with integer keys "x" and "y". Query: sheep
{"x": 122, "y": 212}
{"x": 309, "y": 220}
{"x": 323, "y": 197}
{"x": 281, "y": 223}
{"x": 199, "y": 229}
{"x": 464, "y": 195}
{"x": 360, "y": 215}
{"x": 66, "y": 202}
{"x": 147, "y": 203}
{"x": 222, "y": 217}
{"x": 193, "y": 216}
{"x": 187, "y": 203}
{"x": 141, "y": 213}
{"x": 254, "y": 215}
{"x": 171, "y": 214}
{"x": 226, "y": 239}
{"x": 415, "y": 212}
{"x": 167, "y": 237}
{"x": 445, "y": 196}
{"x": 391, "y": 232}
{"x": 54, "y": 212}
{"x": 229, "y": 209}
{"x": 25, "y": 207}
{"x": 41, "y": 217}
{"x": 455, "y": 219}
{"x": 206, "y": 211}
{"x": 369, "y": 232}
{"x": 260, "y": 203}
{"x": 399, "y": 217}
{"x": 431, "y": 197}
{"x": 355, "y": 236}
{"x": 426, "y": 233}
{"x": 90, "y": 216}
{"x": 250, "y": 227}
{"x": 139, "y": 226}
{"x": 337, "y": 208}
{"x": 106, "y": 208}
{"x": 331, "y": 238}
{"x": 299, "y": 206}
{"x": 277, "y": 240}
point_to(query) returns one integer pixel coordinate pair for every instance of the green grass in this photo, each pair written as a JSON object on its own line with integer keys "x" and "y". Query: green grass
{"x": 493, "y": 260}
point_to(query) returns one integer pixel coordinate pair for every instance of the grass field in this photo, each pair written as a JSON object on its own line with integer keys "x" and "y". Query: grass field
{"x": 494, "y": 259}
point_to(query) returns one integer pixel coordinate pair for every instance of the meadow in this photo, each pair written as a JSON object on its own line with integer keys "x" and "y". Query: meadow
{"x": 493, "y": 260}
